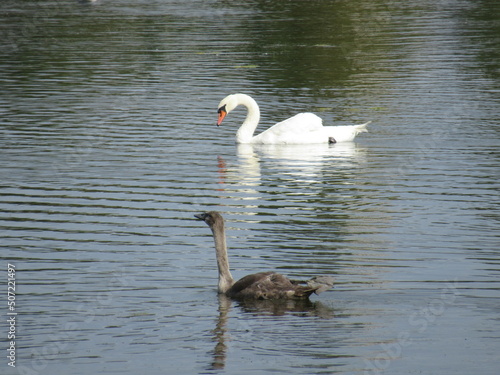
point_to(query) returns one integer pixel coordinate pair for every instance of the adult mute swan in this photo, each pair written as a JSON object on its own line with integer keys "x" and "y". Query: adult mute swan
{"x": 263, "y": 285}
{"x": 299, "y": 129}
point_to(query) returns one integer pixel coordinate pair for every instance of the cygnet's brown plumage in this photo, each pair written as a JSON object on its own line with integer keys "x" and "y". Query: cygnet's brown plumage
{"x": 262, "y": 285}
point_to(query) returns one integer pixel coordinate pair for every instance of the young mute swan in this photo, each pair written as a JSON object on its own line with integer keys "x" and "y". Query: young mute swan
{"x": 262, "y": 285}
{"x": 300, "y": 129}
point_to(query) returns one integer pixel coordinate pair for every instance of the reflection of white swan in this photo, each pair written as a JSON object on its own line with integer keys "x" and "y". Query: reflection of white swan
{"x": 263, "y": 285}
{"x": 247, "y": 178}
{"x": 302, "y": 161}
{"x": 299, "y": 129}
{"x": 305, "y": 153}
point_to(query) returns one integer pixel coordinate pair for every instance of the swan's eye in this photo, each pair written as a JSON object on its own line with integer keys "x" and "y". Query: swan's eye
{"x": 222, "y": 109}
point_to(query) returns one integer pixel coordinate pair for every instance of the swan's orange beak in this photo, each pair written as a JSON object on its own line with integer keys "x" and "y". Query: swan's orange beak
{"x": 222, "y": 114}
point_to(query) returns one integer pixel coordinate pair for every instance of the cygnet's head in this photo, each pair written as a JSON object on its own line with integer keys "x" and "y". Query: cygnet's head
{"x": 211, "y": 218}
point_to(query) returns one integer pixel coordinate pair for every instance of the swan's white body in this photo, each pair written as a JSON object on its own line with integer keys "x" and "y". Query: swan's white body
{"x": 299, "y": 129}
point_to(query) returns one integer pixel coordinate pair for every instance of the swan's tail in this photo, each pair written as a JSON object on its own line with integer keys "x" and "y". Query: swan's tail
{"x": 320, "y": 283}
{"x": 317, "y": 284}
{"x": 362, "y": 128}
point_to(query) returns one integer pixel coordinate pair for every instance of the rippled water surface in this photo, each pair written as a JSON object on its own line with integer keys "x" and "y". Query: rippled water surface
{"x": 108, "y": 148}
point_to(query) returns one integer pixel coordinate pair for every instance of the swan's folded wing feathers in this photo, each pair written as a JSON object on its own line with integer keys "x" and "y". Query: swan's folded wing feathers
{"x": 300, "y": 123}
{"x": 296, "y": 129}
{"x": 268, "y": 285}
{"x": 247, "y": 281}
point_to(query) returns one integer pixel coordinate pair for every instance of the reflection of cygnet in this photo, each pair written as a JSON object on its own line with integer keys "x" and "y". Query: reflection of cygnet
{"x": 299, "y": 129}
{"x": 263, "y": 285}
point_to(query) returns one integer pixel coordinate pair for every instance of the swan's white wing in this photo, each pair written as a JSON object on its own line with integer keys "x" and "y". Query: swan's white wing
{"x": 301, "y": 128}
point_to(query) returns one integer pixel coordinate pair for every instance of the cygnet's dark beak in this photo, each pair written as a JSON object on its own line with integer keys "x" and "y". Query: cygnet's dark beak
{"x": 201, "y": 216}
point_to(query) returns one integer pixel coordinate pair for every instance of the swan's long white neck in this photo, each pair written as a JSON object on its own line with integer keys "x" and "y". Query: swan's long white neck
{"x": 246, "y": 130}
{"x": 225, "y": 278}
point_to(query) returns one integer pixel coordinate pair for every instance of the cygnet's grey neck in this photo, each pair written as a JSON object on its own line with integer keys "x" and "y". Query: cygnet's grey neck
{"x": 225, "y": 278}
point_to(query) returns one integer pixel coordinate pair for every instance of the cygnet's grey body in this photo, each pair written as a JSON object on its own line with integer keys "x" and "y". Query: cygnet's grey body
{"x": 262, "y": 285}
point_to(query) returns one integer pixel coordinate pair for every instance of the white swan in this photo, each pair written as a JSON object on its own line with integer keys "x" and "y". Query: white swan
{"x": 299, "y": 129}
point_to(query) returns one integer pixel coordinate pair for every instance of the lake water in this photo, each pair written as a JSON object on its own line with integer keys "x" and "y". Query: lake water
{"x": 108, "y": 148}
